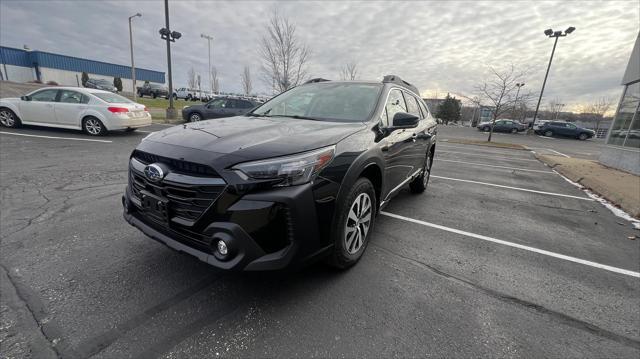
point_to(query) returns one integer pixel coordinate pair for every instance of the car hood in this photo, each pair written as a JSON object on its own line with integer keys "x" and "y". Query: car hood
{"x": 256, "y": 138}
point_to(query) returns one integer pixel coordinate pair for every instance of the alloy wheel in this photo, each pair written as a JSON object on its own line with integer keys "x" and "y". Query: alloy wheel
{"x": 194, "y": 117}
{"x": 358, "y": 223}
{"x": 6, "y": 118}
{"x": 93, "y": 126}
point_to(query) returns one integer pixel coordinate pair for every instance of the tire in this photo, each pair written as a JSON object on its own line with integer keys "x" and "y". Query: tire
{"x": 93, "y": 127}
{"x": 420, "y": 183}
{"x": 583, "y": 136}
{"x": 140, "y": 95}
{"x": 175, "y": 97}
{"x": 548, "y": 133}
{"x": 154, "y": 95}
{"x": 188, "y": 98}
{"x": 349, "y": 242}
{"x": 195, "y": 117}
{"x": 486, "y": 129}
{"x": 514, "y": 130}
{"x": 9, "y": 119}
{"x": 129, "y": 129}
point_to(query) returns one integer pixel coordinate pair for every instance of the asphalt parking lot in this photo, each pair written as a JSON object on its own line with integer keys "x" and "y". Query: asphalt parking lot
{"x": 501, "y": 257}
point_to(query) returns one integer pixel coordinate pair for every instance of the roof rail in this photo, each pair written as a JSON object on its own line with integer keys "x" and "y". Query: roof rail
{"x": 319, "y": 79}
{"x": 397, "y": 80}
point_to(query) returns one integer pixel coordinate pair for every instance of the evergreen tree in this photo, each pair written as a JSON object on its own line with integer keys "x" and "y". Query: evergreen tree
{"x": 117, "y": 83}
{"x": 84, "y": 78}
{"x": 449, "y": 110}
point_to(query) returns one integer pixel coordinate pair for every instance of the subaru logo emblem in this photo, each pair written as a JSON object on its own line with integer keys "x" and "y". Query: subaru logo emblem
{"x": 154, "y": 173}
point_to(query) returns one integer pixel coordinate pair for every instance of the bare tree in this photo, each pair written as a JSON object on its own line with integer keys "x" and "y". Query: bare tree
{"x": 284, "y": 56}
{"x": 191, "y": 78}
{"x": 499, "y": 91}
{"x": 245, "y": 78}
{"x": 555, "y": 107}
{"x": 598, "y": 109}
{"x": 349, "y": 71}
{"x": 215, "y": 82}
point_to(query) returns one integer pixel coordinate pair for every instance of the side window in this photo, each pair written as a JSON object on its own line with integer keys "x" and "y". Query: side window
{"x": 245, "y": 104}
{"x": 425, "y": 110}
{"x": 412, "y": 105}
{"x": 85, "y": 99}
{"x": 395, "y": 104}
{"x": 232, "y": 104}
{"x": 219, "y": 103}
{"x": 67, "y": 96}
{"x": 45, "y": 96}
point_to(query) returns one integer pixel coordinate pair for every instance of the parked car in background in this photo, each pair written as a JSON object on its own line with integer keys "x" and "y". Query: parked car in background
{"x": 183, "y": 93}
{"x": 153, "y": 90}
{"x": 100, "y": 84}
{"x": 510, "y": 126}
{"x": 218, "y": 107}
{"x": 91, "y": 110}
{"x": 538, "y": 124}
{"x": 300, "y": 178}
{"x": 565, "y": 129}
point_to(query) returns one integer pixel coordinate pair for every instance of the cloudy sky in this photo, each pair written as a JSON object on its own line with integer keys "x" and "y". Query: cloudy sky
{"x": 440, "y": 46}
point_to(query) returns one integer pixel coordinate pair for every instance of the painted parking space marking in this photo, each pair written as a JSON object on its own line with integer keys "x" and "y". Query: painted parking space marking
{"x": 491, "y": 157}
{"x": 513, "y": 188}
{"x": 550, "y": 150}
{"x": 515, "y": 245}
{"x": 495, "y": 166}
{"x": 55, "y": 137}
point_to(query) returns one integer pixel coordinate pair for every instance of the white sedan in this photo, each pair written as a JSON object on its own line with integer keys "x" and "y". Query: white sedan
{"x": 93, "y": 111}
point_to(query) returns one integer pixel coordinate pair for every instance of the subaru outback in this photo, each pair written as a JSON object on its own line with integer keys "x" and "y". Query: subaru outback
{"x": 300, "y": 178}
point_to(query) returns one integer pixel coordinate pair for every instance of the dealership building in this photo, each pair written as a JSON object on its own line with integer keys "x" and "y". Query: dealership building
{"x": 19, "y": 65}
{"x": 622, "y": 148}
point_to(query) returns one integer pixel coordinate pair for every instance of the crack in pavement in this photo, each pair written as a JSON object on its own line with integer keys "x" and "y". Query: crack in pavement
{"x": 48, "y": 328}
{"x": 558, "y": 316}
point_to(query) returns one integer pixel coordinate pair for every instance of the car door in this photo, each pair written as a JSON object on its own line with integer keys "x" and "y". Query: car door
{"x": 215, "y": 108}
{"x": 417, "y": 138}
{"x": 499, "y": 126}
{"x": 40, "y": 107}
{"x": 69, "y": 107}
{"x": 397, "y": 146}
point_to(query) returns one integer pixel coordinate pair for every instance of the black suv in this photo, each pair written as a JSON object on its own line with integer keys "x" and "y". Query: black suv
{"x": 216, "y": 108}
{"x": 565, "y": 129}
{"x": 301, "y": 177}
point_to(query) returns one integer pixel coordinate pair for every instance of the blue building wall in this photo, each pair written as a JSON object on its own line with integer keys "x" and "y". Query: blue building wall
{"x": 18, "y": 57}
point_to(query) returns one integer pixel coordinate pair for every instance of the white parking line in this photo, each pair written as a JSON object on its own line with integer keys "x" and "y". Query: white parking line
{"x": 513, "y": 188}
{"x": 516, "y": 245}
{"x": 546, "y": 138}
{"x": 54, "y": 137}
{"x": 496, "y": 166}
{"x": 560, "y": 153}
{"x": 477, "y": 155}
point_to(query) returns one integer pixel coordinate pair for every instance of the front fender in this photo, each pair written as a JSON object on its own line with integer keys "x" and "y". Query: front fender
{"x": 13, "y": 106}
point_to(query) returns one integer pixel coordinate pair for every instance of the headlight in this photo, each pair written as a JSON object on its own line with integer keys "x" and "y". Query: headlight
{"x": 290, "y": 170}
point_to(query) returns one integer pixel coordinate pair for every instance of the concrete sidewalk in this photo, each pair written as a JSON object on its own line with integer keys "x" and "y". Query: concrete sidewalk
{"x": 618, "y": 187}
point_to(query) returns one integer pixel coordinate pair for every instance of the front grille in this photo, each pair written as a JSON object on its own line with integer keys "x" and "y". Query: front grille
{"x": 186, "y": 202}
{"x": 184, "y": 167}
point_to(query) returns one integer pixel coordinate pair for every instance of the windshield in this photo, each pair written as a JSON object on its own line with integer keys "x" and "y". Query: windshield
{"x": 102, "y": 82}
{"x": 325, "y": 101}
{"x": 112, "y": 98}
{"x": 156, "y": 86}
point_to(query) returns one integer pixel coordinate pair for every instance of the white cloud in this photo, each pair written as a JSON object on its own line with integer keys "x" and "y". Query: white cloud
{"x": 444, "y": 46}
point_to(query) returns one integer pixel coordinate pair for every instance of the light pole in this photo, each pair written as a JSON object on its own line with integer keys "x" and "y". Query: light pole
{"x": 209, "y": 39}
{"x": 515, "y": 103}
{"x": 133, "y": 66}
{"x": 556, "y": 35}
{"x": 169, "y": 36}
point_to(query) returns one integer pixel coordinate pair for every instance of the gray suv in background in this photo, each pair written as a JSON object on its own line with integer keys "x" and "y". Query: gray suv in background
{"x": 216, "y": 108}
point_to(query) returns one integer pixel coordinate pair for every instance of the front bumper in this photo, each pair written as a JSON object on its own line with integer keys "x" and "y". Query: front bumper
{"x": 247, "y": 225}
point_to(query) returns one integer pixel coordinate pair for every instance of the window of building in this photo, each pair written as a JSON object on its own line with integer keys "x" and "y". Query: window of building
{"x": 625, "y": 130}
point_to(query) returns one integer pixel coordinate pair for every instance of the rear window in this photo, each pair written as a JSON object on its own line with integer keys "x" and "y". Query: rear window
{"x": 111, "y": 98}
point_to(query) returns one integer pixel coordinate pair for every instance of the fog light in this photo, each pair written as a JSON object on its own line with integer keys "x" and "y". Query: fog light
{"x": 222, "y": 248}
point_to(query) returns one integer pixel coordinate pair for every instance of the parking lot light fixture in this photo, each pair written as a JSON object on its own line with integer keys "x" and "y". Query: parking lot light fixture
{"x": 552, "y": 34}
{"x": 515, "y": 102}
{"x": 133, "y": 66}
{"x": 209, "y": 39}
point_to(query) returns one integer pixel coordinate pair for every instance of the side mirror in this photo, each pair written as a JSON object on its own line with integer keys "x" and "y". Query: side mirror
{"x": 404, "y": 120}
{"x": 25, "y": 98}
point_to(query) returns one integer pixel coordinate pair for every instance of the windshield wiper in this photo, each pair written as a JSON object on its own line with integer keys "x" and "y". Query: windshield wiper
{"x": 296, "y": 117}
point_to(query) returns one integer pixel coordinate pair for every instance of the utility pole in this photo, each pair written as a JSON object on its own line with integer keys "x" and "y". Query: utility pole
{"x": 552, "y": 34}
{"x": 133, "y": 66}
{"x": 209, "y": 39}
{"x": 169, "y": 36}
